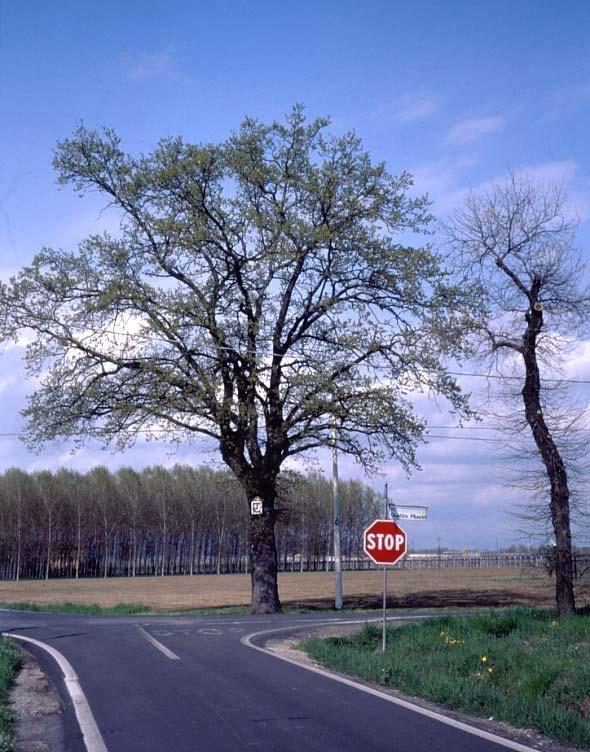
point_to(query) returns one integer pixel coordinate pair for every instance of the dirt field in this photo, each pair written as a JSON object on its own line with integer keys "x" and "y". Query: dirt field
{"x": 407, "y": 588}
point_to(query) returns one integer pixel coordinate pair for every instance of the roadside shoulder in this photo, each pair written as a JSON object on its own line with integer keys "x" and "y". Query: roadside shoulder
{"x": 286, "y": 647}
{"x": 38, "y": 709}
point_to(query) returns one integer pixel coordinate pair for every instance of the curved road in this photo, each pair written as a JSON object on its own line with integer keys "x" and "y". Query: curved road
{"x": 190, "y": 684}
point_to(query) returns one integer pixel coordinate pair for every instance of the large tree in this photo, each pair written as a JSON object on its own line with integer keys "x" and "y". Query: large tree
{"x": 260, "y": 292}
{"x": 518, "y": 240}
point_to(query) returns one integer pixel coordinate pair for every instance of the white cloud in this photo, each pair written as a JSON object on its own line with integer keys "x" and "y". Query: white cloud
{"x": 578, "y": 364}
{"x": 146, "y": 66}
{"x": 473, "y": 129}
{"x": 447, "y": 187}
{"x": 407, "y": 109}
{"x": 411, "y": 109}
{"x": 550, "y": 172}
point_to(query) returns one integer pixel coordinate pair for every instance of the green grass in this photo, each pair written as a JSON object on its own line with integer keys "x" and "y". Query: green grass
{"x": 76, "y": 608}
{"x": 122, "y": 609}
{"x": 10, "y": 662}
{"x": 521, "y": 666}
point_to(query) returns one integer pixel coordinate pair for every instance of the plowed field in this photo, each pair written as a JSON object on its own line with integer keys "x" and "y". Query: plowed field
{"x": 406, "y": 588}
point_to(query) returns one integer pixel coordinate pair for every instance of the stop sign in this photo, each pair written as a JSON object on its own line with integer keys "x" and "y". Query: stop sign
{"x": 385, "y": 542}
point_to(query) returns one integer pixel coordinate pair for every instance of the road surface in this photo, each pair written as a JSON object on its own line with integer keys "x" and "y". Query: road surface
{"x": 190, "y": 684}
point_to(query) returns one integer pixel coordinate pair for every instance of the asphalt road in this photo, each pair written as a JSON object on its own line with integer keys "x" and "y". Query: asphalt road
{"x": 212, "y": 693}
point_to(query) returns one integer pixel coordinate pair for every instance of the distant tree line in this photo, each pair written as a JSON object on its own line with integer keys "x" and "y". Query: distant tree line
{"x": 160, "y": 521}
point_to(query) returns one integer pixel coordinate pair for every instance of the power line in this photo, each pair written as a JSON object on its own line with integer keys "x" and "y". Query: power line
{"x": 464, "y": 438}
{"x": 517, "y": 378}
{"x": 271, "y": 353}
{"x": 426, "y": 436}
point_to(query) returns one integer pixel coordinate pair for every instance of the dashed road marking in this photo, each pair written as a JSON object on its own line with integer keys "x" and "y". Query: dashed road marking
{"x": 157, "y": 644}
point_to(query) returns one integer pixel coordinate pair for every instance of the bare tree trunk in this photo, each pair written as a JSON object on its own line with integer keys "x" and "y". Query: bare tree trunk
{"x": 18, "y": 545}
{"x": 48, "y": 546}
{"x": 302, "y": 542}
{"x": 79, "y": 538}
{"x": 164, "y": 533}
{"x": 134, "y": 548}
{"x": 106, "y": 549}
{"x": 220, "y": 538}
{"x": 559, "y": 506}
{"x": 219, "y": 546}
{"x": 192, "y": 550}
{"x": 18, "y": 540}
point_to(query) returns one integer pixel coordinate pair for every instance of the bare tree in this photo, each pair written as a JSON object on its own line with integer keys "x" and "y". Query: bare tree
{"x": 17, "y": 486}
{"x": 71, "y": 486}
{"x": 159, "y": 482}
{"x": 131, "y": 490}
{"x": 518, "y": 240}
{"x": 104, "y": 493}
{"x": 47, "y": 489}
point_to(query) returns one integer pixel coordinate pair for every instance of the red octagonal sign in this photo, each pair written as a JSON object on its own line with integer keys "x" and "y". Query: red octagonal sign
{"x": 385, "y": 542}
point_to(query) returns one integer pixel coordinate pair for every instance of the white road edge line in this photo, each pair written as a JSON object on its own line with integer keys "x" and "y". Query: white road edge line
{"x": 247, "y": 641}
{"x": 158, "y": 645}
{"x": 93, "y": 740}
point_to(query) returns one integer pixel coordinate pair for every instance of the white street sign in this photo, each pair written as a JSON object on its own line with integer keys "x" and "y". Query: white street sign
{"x": 399, "y": 512}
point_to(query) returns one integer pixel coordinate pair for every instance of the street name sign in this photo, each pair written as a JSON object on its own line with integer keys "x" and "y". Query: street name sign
{"x": 399, "y": 512}
{"x": 385, "y": 542}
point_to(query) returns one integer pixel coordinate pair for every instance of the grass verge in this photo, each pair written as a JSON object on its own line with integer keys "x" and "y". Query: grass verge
{"x": 10, "y": 661}
{"x": 123, "y": 609}
{"x": 521, "y": 666}
{"x": 76, "y": 608}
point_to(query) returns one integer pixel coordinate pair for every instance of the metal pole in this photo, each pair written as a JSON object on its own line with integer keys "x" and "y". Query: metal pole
{"x": 336, "y": 510}
{"x": 384, "y": 590}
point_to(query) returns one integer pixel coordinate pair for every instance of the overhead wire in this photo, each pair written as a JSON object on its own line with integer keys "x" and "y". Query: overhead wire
{"x": 470, "y": 374}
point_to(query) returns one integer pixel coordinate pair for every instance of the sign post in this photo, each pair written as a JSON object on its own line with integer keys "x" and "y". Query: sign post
{"x": 385, "y": 542}
{"x": 384, "y": 635}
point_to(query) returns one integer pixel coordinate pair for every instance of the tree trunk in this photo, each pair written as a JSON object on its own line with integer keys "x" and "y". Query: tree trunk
{"x": 265, "y": 592}
{"x": 78, "y": 539}
{"x": 106, "y": 550}
{"x": 192, "y": 549}
{"x": 219, "y": 546}
{"x": 134, "y": 562}
{"x": 48, "y": 549}
{"x": 18, "y": 546}
{"x": 559, "y": 506}
{"x": 164, "y": 542}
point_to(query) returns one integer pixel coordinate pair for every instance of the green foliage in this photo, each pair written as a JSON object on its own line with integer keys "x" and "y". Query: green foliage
{"x": 10, "y": 662}
{"x": 76, "y": 608}
{"x": 521, "y": 666}
{"x": 258, "y": 293}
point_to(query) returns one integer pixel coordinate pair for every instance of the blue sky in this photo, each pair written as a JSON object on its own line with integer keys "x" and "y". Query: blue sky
{"x": 454, "y": 92}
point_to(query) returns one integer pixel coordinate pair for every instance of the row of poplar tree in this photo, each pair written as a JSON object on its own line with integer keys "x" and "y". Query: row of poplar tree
{"x": 159, "y": 521}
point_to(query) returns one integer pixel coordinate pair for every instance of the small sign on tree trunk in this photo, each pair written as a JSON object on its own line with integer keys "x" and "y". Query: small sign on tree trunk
{"x": 256, "y": 507}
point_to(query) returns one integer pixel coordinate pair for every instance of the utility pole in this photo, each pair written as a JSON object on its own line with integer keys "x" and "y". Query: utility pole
{"x": 336, "y": 511}
{"x": 384, "y": 633}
